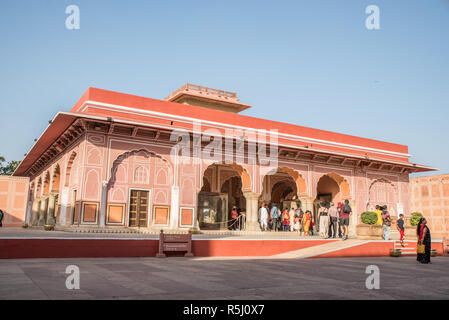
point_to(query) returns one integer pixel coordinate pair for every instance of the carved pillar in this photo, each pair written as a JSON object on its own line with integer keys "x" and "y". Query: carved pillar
{"x": 174, "y": 219}
{"x": 43, "y": 211}
{"x": 35, "y": 212}
{"x": 104, "y": 202}
{"x": 252, "y": 208}
{"x": 51, "y": 219}
{"x": 64, "y": 203}
{"x": 353, "y": 219}
{"x": 306, "y": 204}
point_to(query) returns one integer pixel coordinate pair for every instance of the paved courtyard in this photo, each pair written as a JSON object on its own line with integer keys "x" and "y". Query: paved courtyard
{"x": 209, "y": 278}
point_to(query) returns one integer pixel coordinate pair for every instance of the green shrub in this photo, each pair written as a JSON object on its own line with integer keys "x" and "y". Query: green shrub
{"x": 369, "y": 217}
{"x": 415, "y": 218}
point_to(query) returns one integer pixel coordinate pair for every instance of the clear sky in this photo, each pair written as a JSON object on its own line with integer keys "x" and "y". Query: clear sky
{"x": 312, "y": 63}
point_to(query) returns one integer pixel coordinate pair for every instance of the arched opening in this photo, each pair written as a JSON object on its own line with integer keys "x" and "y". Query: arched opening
{"x": 283, "y": 188}
{"x": 56, "y": 179}
{"x": 69, "y": 168}
{"x": 330, "y": 188}
{"x": 47, "y": 183}
{"x": 223, "y": 187}
{"x": 142, "y": 184}
{"x": 39, "y": 187}
{"x": 382, "y": 192}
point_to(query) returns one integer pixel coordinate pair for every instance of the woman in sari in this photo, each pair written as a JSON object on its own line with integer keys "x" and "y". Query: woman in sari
{"x": 306, "y": 220}
{"x": 424, "y": 238}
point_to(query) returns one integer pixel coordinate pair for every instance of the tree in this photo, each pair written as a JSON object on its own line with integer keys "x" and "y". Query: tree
{"x": 8, "y": 168}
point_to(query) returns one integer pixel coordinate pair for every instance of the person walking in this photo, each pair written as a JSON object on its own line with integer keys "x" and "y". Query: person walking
{"x": 339, "y": 217}
{"x": 344, "y": 219}
{"x": 263, "y": 217}
{"x": 333, "y": 216}
{"x": 424, "y": 239}
{"x": 386, "y": 222}
{"x": 274, "y": 213}
{"x": 400, "y": 226}
{"x": 323, "y": 220}
{"x": 340, "y": 211}
{"x": 1, "y": 217}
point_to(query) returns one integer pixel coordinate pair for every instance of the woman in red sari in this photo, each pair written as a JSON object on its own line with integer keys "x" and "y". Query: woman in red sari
{"x": 306, "y": 220}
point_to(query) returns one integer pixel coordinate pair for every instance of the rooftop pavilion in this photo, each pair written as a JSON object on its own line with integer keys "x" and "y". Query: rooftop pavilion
{"x": 200, "y": 96}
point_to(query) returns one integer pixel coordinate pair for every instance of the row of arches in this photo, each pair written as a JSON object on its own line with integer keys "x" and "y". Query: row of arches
{"x": 224, "y": 186}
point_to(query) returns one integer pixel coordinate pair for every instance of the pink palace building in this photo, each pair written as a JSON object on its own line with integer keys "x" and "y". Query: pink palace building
{"x": 110, "y": 163}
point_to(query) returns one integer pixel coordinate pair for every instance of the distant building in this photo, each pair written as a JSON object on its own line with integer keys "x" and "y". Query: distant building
{"x": 109, "y": 163}
{"x": 430, "y": 196}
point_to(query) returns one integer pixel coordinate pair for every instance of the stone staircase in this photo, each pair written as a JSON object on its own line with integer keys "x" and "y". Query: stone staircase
{"x": 405, "y": 250}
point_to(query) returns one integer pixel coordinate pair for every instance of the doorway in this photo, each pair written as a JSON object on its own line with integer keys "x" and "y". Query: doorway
{"x": 138, "y": 208}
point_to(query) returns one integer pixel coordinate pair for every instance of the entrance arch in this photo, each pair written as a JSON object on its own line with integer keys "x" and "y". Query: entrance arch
{"x": 223, "y": 187}
{"x": 331, "y": 187}
{"x": 283, "y": 186}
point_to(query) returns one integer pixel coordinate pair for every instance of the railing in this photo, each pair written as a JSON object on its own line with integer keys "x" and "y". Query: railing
{"x": 194, "y": 87}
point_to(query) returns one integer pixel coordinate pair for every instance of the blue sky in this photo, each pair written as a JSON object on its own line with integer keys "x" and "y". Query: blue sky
{"x": 311, "y": 63}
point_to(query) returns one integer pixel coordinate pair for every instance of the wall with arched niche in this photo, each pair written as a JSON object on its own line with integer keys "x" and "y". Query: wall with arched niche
{"x": 139, "y": 169}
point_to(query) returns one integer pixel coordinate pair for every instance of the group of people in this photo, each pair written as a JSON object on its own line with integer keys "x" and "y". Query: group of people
{"x": 333, "y": 218}
{"x": 289, "y": 219}
{"x": 422, "y": 231}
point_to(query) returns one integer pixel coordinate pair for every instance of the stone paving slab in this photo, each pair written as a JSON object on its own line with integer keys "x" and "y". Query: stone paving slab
{"x": 181, "y": 278}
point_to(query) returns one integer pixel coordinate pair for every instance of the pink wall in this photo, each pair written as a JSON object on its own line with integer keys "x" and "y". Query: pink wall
{"x": 13, "y": 200}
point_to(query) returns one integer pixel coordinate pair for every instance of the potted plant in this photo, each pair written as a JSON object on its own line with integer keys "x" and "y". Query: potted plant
{"x": 395, "y": 252}
{"x": 49, "y": 227}
{"x": 368, "y": 228}
{"x": 415, "y": 217}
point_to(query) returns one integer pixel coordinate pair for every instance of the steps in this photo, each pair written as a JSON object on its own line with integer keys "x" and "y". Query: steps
{"x": 405, "y": 250}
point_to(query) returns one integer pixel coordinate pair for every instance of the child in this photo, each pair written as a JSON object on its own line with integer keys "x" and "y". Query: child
{"x": 400, "y": 225}
{"x": 286, "y": 221}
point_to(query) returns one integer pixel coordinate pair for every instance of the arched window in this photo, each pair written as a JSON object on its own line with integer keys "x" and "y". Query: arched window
{"x": 141, "y": 175}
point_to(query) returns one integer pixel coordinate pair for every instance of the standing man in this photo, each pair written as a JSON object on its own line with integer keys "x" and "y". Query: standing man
{"x": 263, "y": 217}
{"x": 386, "y": 222}
{"x": 1, "y": 218}
{"x": 344, "y": 219}
{"x": 333, "y": 216}
{"x": 274, "y": 217}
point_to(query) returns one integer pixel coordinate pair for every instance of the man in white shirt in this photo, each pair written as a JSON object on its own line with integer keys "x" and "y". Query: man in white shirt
{"x": 263, "y": 217}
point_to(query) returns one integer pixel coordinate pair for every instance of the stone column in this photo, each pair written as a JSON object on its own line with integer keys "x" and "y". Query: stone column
{"x": 353, "y": 219}
{"x": 43, "y": 211}
{"x": 35, "y": 212}
{"x": 306, "y": 204}
{"x": 51, "y": 219}
{"x": 104, "y": 202}
{"x": 252, "y": 208}
{"x": 174, "y": 219}
{"x": 64, "y": 202}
